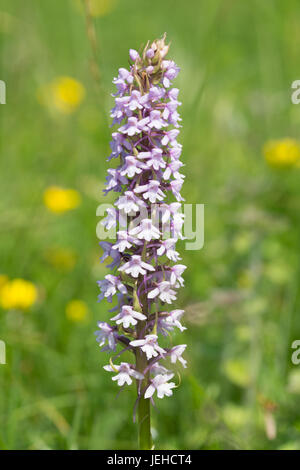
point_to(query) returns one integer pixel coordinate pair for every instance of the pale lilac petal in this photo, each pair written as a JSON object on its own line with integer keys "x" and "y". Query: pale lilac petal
{"x": 149, "y": 392}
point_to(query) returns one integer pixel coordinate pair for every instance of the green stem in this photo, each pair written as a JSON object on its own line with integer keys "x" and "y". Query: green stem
{"x": 144, "y": 417}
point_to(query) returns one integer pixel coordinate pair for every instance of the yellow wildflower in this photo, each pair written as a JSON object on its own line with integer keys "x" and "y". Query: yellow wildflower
{"x": 61, "y": 258}
{"x": 3, "y": 280}
{"x": 65, "y": 94}
{"x": 77, "y": 310}
{"x": 282, "y": 153}
{"x": 101, "y": 7}
{"x": 19, "y": 294}
{"x": 60, "y": 200}
{"x": 98, "y": 7}
{"x": 237, "y": 371}
{"x": 236, "y": 416}
{"x": 245, "y": 280}
{"x": 8, "y": 22}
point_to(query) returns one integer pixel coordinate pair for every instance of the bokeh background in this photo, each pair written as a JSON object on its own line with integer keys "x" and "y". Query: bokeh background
{"x": 240, "y": 130}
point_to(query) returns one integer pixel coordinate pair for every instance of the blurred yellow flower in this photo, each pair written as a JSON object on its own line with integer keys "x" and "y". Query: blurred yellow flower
{"x": 3, "y": 280}
{"x": 98, "y": 7}
{"x": 282, "y": 153}
{"x": 18, "y": 294}
{"x": 294, "y": 381}
{"x": 77, "y": 310}
{"x": 243, "y": 242}
{"x": 8, "y": 22}
{"x": 236, "y": 416}
{"x": 64, "y": 94}
{"x": 256, "y": 306}
{"x": 61, "y": 258}
{"x": 237, "y": 371}
{"x": 278, "y": 272}
{"x": 243, "y": 333}
{"x": 245, "y": 279}
{"x": 101, "y": 7}
{"x": 60, "y": 200}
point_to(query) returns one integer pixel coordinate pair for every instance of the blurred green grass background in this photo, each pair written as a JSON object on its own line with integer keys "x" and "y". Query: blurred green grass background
{"x": 238, "y": 60}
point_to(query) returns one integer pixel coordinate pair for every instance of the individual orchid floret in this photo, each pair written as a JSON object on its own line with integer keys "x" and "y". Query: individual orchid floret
{"x": 124, "y": 241}
{"x": 172, "y": 170}
{"x": 133, "y": 54}
{"x": 136, "y": 267}
{"x": 132, "y": 167}
{"x": 167, "y": 247}
{"x": 171, "y": 320}
{"x": 111, "y": 219}
{"x": 134, "y": 126}
{"x": 164, "y": 291}
{"x": 106, "y": 247}
{"x": 176, "y": 272}
{"x": 156, "y": 120}
{"x": 170, "y": 137}
{"x": 145, "y": 231}
{"x": 109, "y": 252}
{"x": 149, "y": 346}
{"x": 172, "y": 212}
{"x": 109, "y": 287}
{"x": 124, "y": 373}
{"x": 161, "y": 385}
{"x": 176, "y": 188}
{"x": 158, "y": 368}
{"x": 129, "y": 203}
{"x": 176, "y": 354}
{"x": 155, "y": 159}
{"x": 128, "y": 316}
{"x": 151, "y": 191}
{"x": 106, "y": 333}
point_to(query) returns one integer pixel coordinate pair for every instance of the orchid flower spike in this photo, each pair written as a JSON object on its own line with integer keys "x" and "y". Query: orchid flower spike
{"x": 144, "y": 276}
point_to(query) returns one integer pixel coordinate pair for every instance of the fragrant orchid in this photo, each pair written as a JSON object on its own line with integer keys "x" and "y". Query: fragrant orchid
{"x": 144, "y": 280}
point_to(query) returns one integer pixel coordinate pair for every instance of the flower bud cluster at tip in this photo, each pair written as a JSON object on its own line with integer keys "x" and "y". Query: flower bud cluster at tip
{"x": 143, "y": 278}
